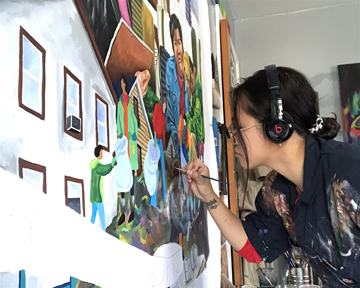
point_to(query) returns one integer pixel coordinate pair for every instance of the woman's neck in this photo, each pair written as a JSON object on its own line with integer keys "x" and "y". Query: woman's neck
{"x": 289, "y": 160}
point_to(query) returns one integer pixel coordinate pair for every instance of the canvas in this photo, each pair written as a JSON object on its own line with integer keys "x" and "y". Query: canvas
{"x": 349, "y": 75}
{"x": 102, "y": 103}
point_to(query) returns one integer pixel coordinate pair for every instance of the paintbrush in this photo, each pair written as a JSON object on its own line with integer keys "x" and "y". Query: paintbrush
{"x": 267, "y": 279}
{"x": 185, "y": 171}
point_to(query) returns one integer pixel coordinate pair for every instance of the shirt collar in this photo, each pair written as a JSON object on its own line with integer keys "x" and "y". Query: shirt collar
{"x": 282, "y": 184}
{"x": 312, "y": 157}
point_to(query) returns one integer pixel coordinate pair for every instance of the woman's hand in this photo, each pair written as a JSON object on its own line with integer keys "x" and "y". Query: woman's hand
{"x": 229, "y": 224}
{"x": 199, "y": 185}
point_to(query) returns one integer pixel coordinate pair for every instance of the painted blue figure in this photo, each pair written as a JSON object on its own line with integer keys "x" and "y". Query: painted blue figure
{"x": 177, "y": 98}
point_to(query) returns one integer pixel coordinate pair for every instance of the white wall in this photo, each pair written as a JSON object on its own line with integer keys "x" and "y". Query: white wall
{"x": 210, "y": 278}
{"x": 230, "y": 18}
{"x": 66, "y": 43}
{"x": 51, "y": 243}
{"x": 313, "y": 41}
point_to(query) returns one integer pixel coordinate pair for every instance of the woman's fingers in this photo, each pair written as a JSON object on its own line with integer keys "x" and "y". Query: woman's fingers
{"x": 204, "y": 170}
{"x": 196, "y": 166}
{"x": 189, "y": 166}
{"x": 196, "y": 191}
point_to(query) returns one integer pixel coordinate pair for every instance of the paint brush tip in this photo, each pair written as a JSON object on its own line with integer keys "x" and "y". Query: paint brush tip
{"x": 181, "y": 170}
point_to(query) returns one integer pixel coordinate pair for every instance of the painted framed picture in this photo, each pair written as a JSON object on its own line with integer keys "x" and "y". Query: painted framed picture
{"x": 349, "y": 79}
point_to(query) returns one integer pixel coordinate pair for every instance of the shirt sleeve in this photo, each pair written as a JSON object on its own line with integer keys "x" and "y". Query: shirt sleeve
{"x": 249, "y": 254}
{"x": 102, "y": 169}
{"x": 266, "y": 232}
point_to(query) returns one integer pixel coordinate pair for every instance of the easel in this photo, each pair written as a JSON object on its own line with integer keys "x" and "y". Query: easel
{"x": 225, "y": 46}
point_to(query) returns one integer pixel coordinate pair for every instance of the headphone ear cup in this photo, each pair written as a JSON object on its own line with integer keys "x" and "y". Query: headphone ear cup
{"x": 279, "y": 130}
{"x": 290, "y": 123}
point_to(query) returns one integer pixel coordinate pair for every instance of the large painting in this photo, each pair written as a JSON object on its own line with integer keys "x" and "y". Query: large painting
{"x": 349, "y": 78}
{"x": 104, "y": 105}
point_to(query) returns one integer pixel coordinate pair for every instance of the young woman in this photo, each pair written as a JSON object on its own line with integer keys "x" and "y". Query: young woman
{"x": 311, "y": 198}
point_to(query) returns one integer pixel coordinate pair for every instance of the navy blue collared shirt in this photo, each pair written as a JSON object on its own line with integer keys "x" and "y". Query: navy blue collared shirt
{"x": 324, "y": 220}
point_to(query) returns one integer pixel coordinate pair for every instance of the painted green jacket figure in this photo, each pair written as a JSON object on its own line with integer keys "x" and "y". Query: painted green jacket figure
{"x": 98, "y": 170}
{"x": 195, "y": 116}
{"x": 127, "y": 125}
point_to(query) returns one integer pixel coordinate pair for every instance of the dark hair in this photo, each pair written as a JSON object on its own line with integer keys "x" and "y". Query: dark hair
{"x": 191, "y": 65}
{"x": 194, "y": 47}
{"x": 174, "y": 24}
{"x": 97, "y": 150}
{"x": 191, "y": 68}
{"x": 125, "y": 82}
{"x": 298, "y": 97}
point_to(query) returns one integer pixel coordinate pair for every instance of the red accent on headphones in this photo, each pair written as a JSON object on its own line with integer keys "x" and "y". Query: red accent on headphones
{"x": 278, "y": 129}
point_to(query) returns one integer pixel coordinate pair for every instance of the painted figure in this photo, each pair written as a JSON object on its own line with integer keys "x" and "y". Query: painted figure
{"x": 143, "y": 78}
{"x": 159, "y": 129}
{"x": 195, "y": 115}
{"x": 98, "y": 170}
{"x": 195, "y": 131}
{"x": 151, "y": 169}
{"x": 127, "y": 127}
{"x": 177, "y": 98}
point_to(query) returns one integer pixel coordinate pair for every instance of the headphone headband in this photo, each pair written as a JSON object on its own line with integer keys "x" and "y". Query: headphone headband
{"x": 274, "y": 87}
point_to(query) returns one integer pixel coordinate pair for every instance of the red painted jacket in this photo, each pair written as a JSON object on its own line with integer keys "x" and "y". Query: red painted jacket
{"x": 159, "y": 122}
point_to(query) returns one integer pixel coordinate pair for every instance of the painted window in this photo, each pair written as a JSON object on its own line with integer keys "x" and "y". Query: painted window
{"x": 75, "y": 195}
{"x": 73, "y": 102}
{"x": 32, "y": 173}
{"x": 31, "y": 91}
{"x": 136, "y": 110}
{"x": 102, "y": 123}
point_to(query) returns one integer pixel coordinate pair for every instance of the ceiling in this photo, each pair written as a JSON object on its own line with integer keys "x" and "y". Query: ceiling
{"x": 245, "y": 9}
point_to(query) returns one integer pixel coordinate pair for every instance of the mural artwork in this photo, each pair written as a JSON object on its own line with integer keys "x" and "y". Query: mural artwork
{"x": 349, "y": 76}
{"x": 22, "y": 280}
{"x": 117, "y": 126}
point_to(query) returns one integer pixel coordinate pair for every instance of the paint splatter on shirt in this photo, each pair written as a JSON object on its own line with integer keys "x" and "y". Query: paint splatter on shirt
{"x": 324, "y": 222}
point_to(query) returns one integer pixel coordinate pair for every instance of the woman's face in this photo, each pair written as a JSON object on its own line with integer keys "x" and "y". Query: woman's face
{"x": 258, "y": 146}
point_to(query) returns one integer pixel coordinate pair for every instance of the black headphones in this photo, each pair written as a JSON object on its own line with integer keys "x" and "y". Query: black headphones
{"x": 279, "y": 125}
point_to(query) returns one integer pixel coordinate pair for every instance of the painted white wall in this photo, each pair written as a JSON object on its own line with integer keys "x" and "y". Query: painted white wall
{"x": 66, "y": 43}
{"x": 313, "y": 41}
{"x": 50, "y": 253}
{"x": 211, "y": 276}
